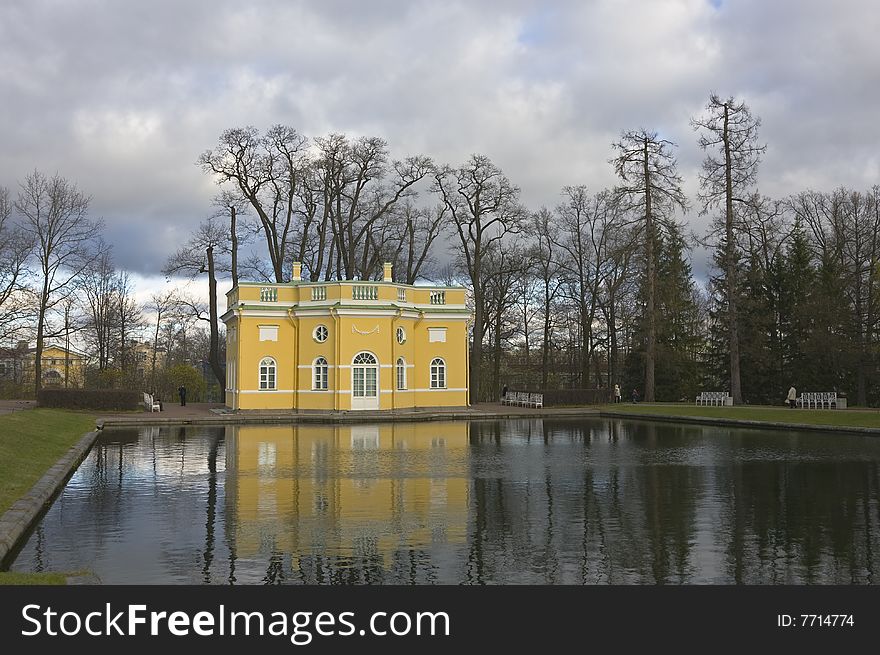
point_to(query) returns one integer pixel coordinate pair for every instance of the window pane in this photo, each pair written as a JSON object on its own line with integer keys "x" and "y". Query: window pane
{"x": 358, "y": 382}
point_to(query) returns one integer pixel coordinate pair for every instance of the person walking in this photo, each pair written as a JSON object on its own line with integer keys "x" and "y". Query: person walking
{"x": 792, "y": 395}
{"x": 181, "y": 391}
{"x": 616, "y": 393}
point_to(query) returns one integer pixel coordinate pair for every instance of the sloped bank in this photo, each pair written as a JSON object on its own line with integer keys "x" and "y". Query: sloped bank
{"x": 16, "y": 522}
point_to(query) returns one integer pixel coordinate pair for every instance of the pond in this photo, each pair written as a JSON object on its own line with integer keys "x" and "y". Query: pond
{"x": 530, "y": 501}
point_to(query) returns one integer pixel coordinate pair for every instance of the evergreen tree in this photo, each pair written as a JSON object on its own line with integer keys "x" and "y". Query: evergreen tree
{"x": 679, "y": 330}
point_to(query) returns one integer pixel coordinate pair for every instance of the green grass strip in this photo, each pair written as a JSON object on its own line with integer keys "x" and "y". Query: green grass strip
{"x": 9, "y": 578}
{"x": 31, "y": 441}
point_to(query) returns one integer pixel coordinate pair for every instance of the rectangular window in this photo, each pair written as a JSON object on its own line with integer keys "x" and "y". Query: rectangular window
{"x": 437, "y": 335}
{"x": 321, "y": 375}
{"x": 268, "y": 332}
{"x": 401, "y": 376}
{"x": 358, "y": 383}
{"x": 370, "y": 390}
{"x": 401, "y": 295}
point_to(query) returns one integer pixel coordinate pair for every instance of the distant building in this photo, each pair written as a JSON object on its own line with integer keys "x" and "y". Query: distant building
{"x": 61, "y": 367}
{"x": 141, "y": 353}
{"x": 347, "y": 345}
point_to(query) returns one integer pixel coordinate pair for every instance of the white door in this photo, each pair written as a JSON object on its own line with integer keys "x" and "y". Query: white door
{"x": 364, "y": 382}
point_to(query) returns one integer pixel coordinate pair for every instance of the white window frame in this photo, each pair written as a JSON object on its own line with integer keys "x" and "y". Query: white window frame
{"x": 318, "y": 331}
{"x": 436, "y": 335}
{"x": 438, "y": 373}
{"x": 401, "y": 336}
{"x": 401, "y": 374}
{"x": 320, "y": 374}
{"x": 268, "y": 374}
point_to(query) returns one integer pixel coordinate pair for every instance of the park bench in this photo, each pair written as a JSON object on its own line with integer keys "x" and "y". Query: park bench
{"x": 820, "y": 400}
{"x": 523, "y": 399}
{"x": 713, "y": 398}
{"x": 150, "y": 404}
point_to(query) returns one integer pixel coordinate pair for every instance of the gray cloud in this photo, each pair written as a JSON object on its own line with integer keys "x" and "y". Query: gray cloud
{"x": 122, "y": 97}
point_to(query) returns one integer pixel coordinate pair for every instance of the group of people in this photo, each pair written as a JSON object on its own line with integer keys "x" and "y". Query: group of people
{"x": 617, "y": 396}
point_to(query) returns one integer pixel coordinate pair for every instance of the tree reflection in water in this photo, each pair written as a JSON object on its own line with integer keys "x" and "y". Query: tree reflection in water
{"x": 517, "y": 501}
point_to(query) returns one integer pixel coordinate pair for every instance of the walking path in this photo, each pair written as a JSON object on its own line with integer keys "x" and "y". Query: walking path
{"x": 9, "y": 406}
{"x": 217, "y": 414}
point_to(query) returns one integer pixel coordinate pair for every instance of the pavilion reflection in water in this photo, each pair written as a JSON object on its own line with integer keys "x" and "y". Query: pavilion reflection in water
{"x": 345, "y": 491}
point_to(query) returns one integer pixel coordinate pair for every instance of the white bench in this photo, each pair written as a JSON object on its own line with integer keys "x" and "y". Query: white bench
{"x": 150, "y": 404}
{"x": 714, "y": 398}
{"x": 820, "y": 400}
{"x": 523, "y": 399}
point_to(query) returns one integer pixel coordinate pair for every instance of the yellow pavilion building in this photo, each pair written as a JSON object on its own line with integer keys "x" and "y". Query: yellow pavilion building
{"x": 347, "y": 345}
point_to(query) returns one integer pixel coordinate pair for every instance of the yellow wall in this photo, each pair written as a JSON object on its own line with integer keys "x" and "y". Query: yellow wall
{"x": 309, "y": 488}
{"x": 353, "y": 326}
{"x": 53, "y": 360}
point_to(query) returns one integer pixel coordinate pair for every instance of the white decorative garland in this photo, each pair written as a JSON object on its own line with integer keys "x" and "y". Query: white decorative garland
{"x": 375, "y": 329}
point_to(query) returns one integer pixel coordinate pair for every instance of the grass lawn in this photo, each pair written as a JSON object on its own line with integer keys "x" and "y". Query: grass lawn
{"x": 31, "y": 441}
{"x": 844, "y": 417}
{"x": 9, "y": 578}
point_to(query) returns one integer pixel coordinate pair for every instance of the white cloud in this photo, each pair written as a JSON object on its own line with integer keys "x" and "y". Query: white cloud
{"x": 123, "y": 97}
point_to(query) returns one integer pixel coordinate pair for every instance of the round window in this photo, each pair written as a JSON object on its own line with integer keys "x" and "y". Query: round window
{"x": 401, "y": 335}
{"x": 320, "y": 333}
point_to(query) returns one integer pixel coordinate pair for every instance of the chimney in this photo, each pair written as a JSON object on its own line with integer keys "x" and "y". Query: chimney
{"x": 297, "y": 272}
{"x": 386, "y": 277}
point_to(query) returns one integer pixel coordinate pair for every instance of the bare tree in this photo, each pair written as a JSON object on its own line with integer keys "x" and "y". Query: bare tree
{"x": 416, "y": 229}
{"x": 266, "y": 170}
{"x": 502, "y": 269}
{"x": 584, "y": 224}
{"x": 98, "y": 290}
{"x": 17, "y": 306}
{"x": 161, "y": 305}
{"x": 485, "y": 208}
{"x": 729, "y": 135}
{"x": 548, "y": 269}
{"x": 650, "y": 187}
{"x": 55, "y": 215}
{"x": 205, "y": 254}
{"x": 128, "y": 319}
{"x": 360, "y": 189}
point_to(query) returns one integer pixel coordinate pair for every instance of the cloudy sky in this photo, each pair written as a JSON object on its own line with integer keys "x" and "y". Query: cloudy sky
{"x": 122, "y": 96}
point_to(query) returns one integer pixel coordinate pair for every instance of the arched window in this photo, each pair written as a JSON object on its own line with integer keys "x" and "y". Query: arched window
{"x": 364, "y": 379}
{"x": 401, "y": 373}
{"x": 364, "y": 358}
{"x": 267, "y": 374}
{"x": 319, "y": 380}
{"x": 438, "y": 373}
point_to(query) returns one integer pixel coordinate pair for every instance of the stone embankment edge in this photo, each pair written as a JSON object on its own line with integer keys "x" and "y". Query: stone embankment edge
{"x": 16, "y": 522}
{"x": 743, "y": 423}
{"x": 354, "y": 417}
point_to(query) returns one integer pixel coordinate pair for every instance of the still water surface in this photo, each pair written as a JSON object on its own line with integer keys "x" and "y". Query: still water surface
{"x": 517, "y": 501}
